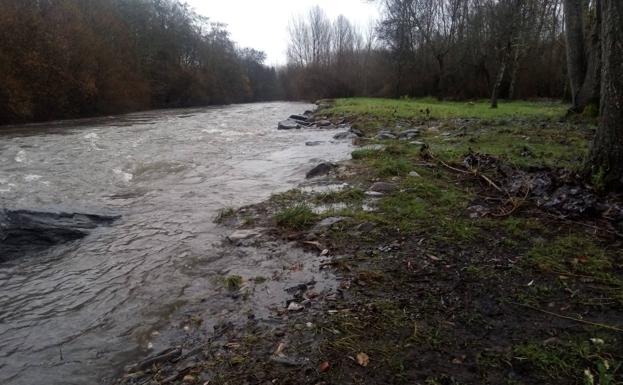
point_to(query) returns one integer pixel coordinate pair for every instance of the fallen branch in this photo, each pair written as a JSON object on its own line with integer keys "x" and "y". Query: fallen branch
{"x": 590, "y": 323}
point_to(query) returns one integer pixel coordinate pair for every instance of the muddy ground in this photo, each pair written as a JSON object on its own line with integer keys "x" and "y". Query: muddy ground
{"x": 448, "y": 257}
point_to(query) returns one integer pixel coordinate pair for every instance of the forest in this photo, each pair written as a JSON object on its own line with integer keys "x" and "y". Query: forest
{"x": 74, "y": 58}
{"x": 71, "y": 58}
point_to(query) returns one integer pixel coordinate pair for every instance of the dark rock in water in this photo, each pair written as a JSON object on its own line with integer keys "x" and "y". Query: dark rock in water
{"x": 298, "y": 117}
{"x": 323, "y": 123}
{"x": 357, "y": 132}
{"x": 314, "y": 143}
{"x": 321, "y": 169}
{"x": 345, "y": 135}
{"x": 288, "y": 125}
{"x": 303, "y": 123}
{"x": 23, "y": 231}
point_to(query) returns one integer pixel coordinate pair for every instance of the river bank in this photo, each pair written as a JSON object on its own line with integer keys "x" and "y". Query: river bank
{"x": 457, "y": 246}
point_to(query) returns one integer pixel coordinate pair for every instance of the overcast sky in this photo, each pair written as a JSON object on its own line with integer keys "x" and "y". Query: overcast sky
{"x": 262, "y": 24}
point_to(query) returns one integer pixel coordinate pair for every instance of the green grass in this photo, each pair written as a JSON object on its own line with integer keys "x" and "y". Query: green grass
{"x": 583, "y": 360}
{"x": 233, "y": 282}
{"x": 299, "y": 217}
{"x": 391, "y": 109}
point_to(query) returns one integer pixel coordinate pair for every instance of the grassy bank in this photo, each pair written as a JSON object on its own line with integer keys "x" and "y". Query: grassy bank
{"x": 452, "y": 278}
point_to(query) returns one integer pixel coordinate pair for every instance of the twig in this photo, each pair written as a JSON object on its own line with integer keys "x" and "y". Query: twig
{"x": 600, "y": 325}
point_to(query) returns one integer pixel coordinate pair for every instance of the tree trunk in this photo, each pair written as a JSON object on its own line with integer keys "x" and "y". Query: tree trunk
{"x": 514, "y": 71}
{"x": 498, "y": 81}
{"x": 606, "y": 156}
{"x": 591, "y": 88}
{"x": 576, "y": 59}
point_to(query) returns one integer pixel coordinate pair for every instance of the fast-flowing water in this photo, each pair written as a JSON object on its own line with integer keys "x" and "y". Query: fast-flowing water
{"x": 68, "y": 315}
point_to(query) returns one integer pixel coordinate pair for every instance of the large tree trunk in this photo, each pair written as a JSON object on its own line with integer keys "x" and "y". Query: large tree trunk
{"x": 576, "y": 59}
{"x": 591, "y": 87}
{"x": 606, "y": 157}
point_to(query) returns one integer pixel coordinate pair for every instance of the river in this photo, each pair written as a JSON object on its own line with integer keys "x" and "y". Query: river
{"x": 75, "y": 313}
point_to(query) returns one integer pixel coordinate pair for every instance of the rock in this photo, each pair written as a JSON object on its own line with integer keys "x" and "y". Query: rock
{"x": 415, "y": 174}
{"x": 345, "y": 135}
{"x": 23, "y": 231}
{"x": 188, "y": 379}
{"x": 308, "y": 114}
{"x": 242, "y": 235}
{"x": 298, "y": 117}
{"x": 323, "y": 123}
{"x": 409, "y": 134}
{"x": 294, "y": 307}
{"x": 357, "y": 132}
{"x": 417, "y": 143}
{"x": 314, "y": 143}
{"x": 303, "y": 123}
{"x": 366, "y": 227}
{"x": 383, "y": 187}
{"x": 385, "y": 136}
{"x": 322, "y": 169}
{"x": 329, "y": 222}
{"x": 288, "y": 125}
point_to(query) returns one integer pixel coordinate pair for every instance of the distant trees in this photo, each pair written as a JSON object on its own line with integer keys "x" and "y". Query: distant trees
{"x": 70, "y": 58}
{"x": 454, "y": 49}
{"x": 327, "y": 58}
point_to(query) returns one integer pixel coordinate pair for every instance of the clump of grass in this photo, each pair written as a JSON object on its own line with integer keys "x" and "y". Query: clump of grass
{"x": 392, "y": 166}
{"x": 299, "y": 217}
{"x": 233, "y": 282}
{"x": 225, "y": 214}
{"x": 365, "y": 154}
{"x": 259, "y": 280}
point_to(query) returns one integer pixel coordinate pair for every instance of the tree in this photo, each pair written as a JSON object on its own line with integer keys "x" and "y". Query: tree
{"x": 606, "y": 156}
{"x": 583, "y": 51}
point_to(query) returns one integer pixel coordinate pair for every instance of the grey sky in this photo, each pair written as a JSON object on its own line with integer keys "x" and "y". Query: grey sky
{"x": 262, "y": 24}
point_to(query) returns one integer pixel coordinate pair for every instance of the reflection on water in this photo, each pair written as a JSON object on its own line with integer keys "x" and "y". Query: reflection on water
{"x": 72, "y": 313}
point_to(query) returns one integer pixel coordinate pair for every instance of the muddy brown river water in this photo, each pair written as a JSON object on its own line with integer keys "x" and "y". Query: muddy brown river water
{"x": 75, "y": 313}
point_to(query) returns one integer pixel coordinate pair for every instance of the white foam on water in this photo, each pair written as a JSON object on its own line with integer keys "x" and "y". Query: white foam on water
{"x": 32, "y": 178}
{"x": 91, "y": 136}
{"x": 126, "y": 176}
{"x": 211, "y": 131}
{"x": 21, "y": 156}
